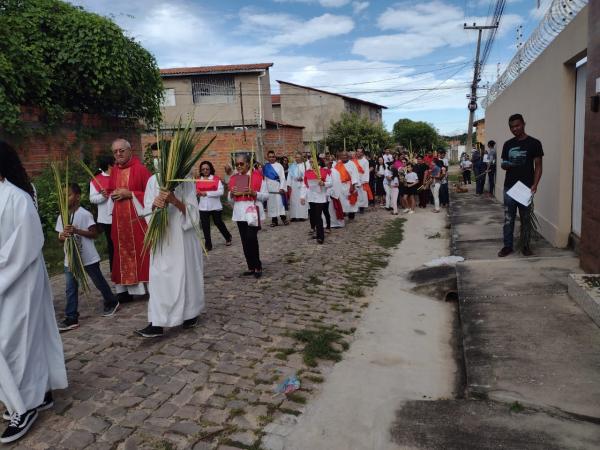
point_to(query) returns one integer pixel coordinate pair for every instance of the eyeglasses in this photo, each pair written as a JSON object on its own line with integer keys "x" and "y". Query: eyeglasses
{"x": 120, "y": 150}
{"x": 240, "y": 164}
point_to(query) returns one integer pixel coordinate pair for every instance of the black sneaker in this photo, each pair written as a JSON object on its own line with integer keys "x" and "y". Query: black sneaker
{"x": 19, "y": 426}
{"x": 248, "y": 273}
{"x": 191, "y": 323}
{"x": 46, "y": 404}
{"x": 505, "y": 251}
{"x": 68, "y": 324}
{"x": 527, "y": 251}
{"x": 150, "y": 331}
{"x": 124, "y": 297}
{"x": 258, "y": 273}
{"x": 110, "y": 310}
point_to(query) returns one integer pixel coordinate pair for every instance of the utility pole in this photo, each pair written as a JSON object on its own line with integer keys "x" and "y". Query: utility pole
{"x": 242, "y": 111}
{"x": 476, "y": 78}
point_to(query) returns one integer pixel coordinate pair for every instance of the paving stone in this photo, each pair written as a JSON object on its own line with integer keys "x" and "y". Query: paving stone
{"x": 185, "y": 428}
{"x": 244, "y": 437}
{"x": 122, "y": 388}
{"x": 78, "y": 439}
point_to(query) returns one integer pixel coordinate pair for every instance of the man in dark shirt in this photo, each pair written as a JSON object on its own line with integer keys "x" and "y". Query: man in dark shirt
{"x": 522, "y": 160}
{"x": 420, "y": 169}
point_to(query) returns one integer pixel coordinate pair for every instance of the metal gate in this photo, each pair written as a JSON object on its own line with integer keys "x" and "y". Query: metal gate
{"x": 578, "y": 147}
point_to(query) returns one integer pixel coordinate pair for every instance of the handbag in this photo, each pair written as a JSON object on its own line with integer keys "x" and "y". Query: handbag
{"x": 252, "y": 216}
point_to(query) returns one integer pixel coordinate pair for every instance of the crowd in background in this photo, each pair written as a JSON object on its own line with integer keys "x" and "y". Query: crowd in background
{"x": 480, "y": 165}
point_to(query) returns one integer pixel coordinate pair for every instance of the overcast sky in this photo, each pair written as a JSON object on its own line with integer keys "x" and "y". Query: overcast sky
{"x": 381, "y": 51}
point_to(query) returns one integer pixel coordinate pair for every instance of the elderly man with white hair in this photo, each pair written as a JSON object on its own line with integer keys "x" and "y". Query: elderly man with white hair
{"x": 128, "y": 180}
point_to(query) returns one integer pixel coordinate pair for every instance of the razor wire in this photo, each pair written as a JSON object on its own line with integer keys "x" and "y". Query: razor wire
{"x": 559, "y": 15}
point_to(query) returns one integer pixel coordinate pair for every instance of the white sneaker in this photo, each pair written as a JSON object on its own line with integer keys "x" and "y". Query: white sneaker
{"x": 405, "y": 210}
{"x": 411, "y": 212}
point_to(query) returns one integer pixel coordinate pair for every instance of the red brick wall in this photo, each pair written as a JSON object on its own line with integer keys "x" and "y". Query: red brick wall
{"x": 590, "y": 222}
{"x": 283, "y": 141}
{"x": 38, "y": 149}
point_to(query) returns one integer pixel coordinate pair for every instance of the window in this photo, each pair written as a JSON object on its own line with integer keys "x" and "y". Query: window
{"x": 168, "y": 98}
{"x": 374, "y": 114}
{"x": 352, "y": 107}
{"x": 211, "y": 89}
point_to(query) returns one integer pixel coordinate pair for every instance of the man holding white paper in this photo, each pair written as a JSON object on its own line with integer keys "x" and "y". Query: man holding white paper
{"x": 522, "y": 161}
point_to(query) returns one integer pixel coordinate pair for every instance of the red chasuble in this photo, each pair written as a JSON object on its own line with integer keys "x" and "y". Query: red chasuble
{"x": 130, "y": 263}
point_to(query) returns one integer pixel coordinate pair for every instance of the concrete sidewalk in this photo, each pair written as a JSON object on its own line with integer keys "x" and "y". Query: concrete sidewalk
{"x": 524, "y": 339}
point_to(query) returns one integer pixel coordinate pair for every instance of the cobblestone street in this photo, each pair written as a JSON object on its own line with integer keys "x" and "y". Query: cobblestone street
{"x": 213, "y": 386}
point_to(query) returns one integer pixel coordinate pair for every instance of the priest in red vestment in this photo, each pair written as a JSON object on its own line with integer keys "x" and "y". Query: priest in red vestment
{"x": 128, "y": 180}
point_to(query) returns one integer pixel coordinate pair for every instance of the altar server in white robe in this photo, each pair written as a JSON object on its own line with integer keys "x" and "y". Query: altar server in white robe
{"x": 32, "y": 363}
{"x": 334, "y": 193}
{"x": 295, "y": 181}
{"x": 277, "y": 187}
{"x": 176, "y": 284}
{"x": 350, "y": 184}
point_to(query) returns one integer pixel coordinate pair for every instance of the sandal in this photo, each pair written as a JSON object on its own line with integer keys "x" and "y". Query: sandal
{"x": 286, "y": 222}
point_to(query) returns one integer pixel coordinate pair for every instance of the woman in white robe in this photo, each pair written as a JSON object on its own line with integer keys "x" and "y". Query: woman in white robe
{"x": 295, "y": 181}
{"x": 176, "y": 284}
{"x": 31, "y": 353}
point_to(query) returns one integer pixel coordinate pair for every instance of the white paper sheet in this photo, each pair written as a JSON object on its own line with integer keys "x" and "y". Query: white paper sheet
{"x": 520, "y": 193}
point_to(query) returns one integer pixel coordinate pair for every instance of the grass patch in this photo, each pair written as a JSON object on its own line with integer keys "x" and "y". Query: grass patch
{"x": 435, "y": 236}
{"x": 318, "y": 345}
{"x": 392, "y": 235}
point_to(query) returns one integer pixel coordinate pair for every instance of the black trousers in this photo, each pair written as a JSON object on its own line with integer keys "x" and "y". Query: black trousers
{"x": 218, "y": 220}
{"x": 326, "y": 213}
{"x": 109, "y": 243}
{"x": 466, "y": 176}
{"x": 249, "y": 238}
{"x": 316, "y": 222}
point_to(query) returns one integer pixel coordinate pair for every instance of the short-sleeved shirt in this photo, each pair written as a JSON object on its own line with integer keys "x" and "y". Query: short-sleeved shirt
{"x": 83, "y": 220}
{"x": 412, "y": 177}
{"x": 519, "y": 156}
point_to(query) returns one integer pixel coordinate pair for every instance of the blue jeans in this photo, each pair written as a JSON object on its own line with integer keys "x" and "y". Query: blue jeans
{"x": 72, "y": 287}
{"x": 510, "y": 214}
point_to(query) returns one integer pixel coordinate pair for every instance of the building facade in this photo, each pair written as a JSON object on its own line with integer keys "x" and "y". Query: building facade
{"x": 219, "y": 96}
{"x": 314, "y": 109}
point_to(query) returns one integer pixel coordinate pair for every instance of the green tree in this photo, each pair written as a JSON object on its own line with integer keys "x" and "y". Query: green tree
{"x": 357, "y": 131}
{"x": 61, "y": 58}
{"x": 418, "y": 135}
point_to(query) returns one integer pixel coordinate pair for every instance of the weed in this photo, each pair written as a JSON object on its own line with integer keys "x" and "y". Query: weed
{"x": 317, "y": 345}
{"x": 435, "y": 236}
{"x": 237, "y": 412}
{"x": 313, "y": 279}
{"x": 355, "y": 291}
{"x": 315, "y": 378}
{"x": 297, "y": 398}
{"x": 346, "y": 310}
{"x": 516, "y": 407}
{"x": 591, "y": 281}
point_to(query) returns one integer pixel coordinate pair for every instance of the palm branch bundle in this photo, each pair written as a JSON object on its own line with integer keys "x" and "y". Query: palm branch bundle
{"x": 529, "y": 227}
{"x": 176, "y": 159}
{"x": 314, "y": 161}
{"x": 73, "y": 255}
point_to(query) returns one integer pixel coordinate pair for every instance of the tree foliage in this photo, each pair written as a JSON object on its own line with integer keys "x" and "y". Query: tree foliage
{"x": 358, "y": 131}
{"x": 418, "y": 135}
{"x": 61, "y": 58}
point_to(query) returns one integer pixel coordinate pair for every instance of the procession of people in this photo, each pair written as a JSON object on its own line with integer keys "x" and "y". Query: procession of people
{"x": 327, "y": 189}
